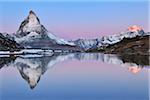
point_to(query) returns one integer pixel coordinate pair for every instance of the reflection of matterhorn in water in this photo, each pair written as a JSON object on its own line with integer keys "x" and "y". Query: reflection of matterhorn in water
{"x": 33, "y": 67}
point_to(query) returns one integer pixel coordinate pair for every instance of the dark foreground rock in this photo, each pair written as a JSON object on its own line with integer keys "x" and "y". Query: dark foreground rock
{"x": 7, "y": 44}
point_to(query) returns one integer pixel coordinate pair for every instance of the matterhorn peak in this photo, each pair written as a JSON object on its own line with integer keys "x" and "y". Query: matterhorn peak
{"x": 134, "y": 28}
{"x": 33, "y": 19}
{"x": 32, "y": 12}
{"x": 30, "y": 24}
{"x": 31, "y": 30}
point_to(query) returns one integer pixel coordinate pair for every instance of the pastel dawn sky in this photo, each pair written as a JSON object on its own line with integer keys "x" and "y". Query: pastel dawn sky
{"x": 72, "y": 20}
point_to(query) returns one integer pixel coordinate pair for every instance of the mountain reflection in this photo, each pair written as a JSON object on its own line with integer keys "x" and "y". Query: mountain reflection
{"x": 32, "y": 67}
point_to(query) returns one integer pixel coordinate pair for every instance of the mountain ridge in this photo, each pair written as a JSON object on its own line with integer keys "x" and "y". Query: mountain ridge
{"x": 32, "y": 34}
{"x": 102, "y": 42}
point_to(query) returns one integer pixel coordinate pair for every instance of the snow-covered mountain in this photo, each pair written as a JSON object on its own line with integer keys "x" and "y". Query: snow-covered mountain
{"x": 104, "y": 41}
{"x": 33, "y": 34}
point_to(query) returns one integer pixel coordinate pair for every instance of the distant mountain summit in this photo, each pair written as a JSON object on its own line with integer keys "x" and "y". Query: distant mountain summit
{"x": 33, "y": 34}
{"x": 134, "y": 28}
{"x": 102, "y": 42}
{"x": 31, "y": 24}
{"x": 132, "y": 41}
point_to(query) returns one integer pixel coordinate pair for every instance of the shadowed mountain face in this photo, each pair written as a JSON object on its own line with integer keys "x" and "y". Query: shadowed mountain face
{"x": 7, "y": 44}
{"x": 33, "y": 67}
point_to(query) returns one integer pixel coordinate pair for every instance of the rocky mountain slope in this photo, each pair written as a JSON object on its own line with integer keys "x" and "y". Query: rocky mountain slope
{"x": 138, "y": 45}
{"x": 8, "y": 44}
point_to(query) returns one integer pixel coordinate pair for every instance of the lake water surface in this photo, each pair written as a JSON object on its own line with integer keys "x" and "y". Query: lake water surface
{"x": 74, "y": 76}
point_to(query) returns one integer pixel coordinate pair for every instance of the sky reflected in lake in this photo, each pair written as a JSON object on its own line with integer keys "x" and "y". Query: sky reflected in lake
{"x": 79, "y": 76}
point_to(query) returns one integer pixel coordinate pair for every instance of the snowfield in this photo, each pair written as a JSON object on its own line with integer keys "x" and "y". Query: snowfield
{"x": 28, "y": 51}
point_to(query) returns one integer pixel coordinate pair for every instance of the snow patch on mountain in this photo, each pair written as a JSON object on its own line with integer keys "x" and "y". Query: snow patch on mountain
{"x": 59, "y": 40}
